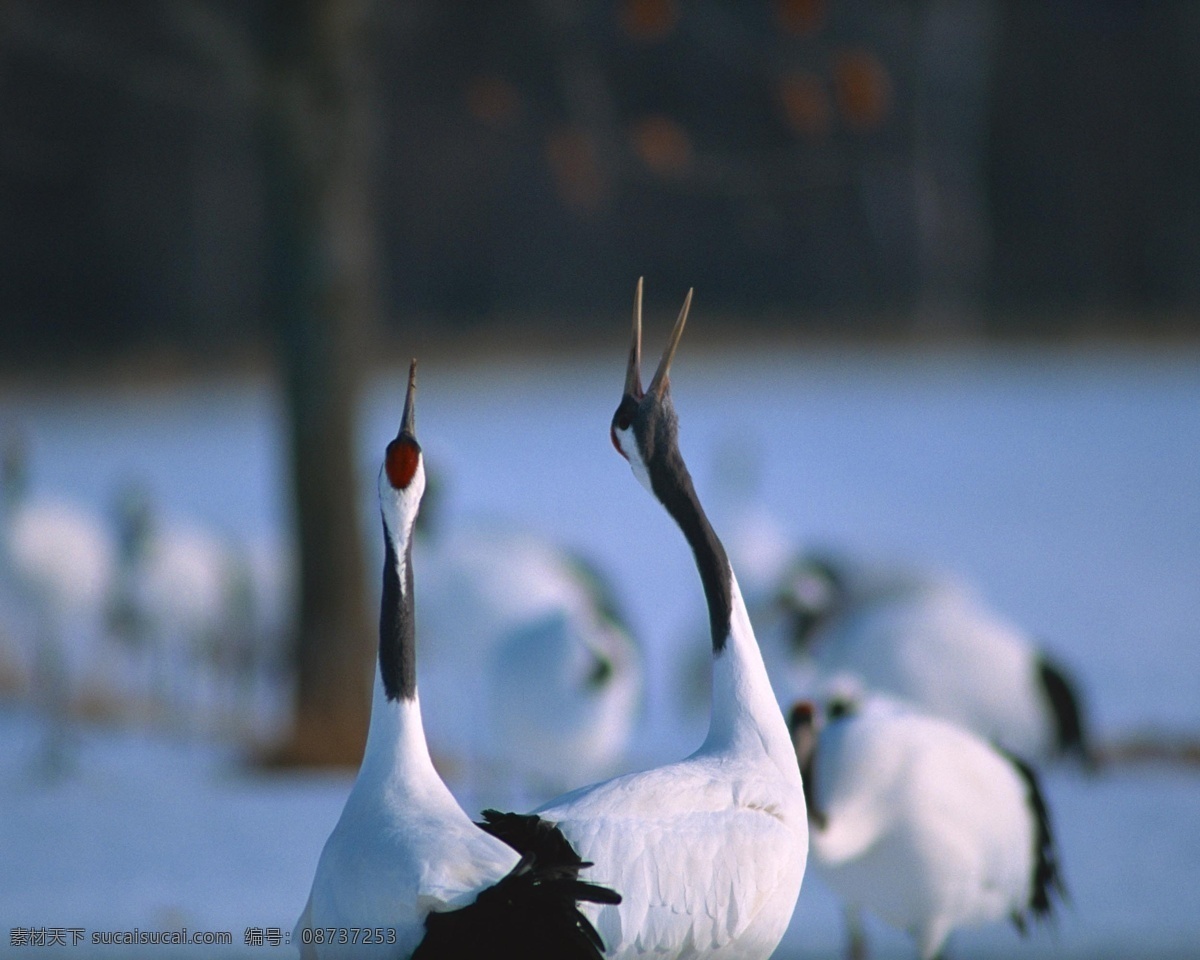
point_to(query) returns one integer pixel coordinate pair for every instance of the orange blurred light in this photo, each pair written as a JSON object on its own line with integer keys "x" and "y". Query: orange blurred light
{"x": 802, "y": 17}
{"x": 863, "y": 89}
{"x": 805, "y": 103}
{"x": 662, "y": 145}
{"x": 648, "y": 20}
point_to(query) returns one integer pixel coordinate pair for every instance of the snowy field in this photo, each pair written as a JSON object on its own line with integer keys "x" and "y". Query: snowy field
{"x": 1066, "y": 484}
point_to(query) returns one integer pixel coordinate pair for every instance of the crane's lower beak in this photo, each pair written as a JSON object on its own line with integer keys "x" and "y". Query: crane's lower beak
{"x": 661, "y": 381}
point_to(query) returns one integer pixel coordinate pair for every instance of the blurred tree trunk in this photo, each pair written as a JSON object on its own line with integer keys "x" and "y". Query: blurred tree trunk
{"x": 318, "y": 130}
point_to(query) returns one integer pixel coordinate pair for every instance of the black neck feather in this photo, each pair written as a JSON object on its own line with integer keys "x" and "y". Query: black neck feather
{"x": 1046, "y": 877}
{"x": 397, "y": 627}
{"x": 807, "y": 779}
{"x": 672, "y": 484}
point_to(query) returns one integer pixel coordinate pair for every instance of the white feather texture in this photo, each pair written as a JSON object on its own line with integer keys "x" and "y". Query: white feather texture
{"x": 925, "y": 824}
{"x": 933, "y": 641}
{"x": 708, "y": 853}
{"x": 403, "y": 846}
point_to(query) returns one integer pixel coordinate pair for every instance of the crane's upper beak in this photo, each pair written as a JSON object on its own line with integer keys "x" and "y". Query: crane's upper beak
{"x": 403, "y": 454}
{"x": 408, "y": 419}
{"x": 633, "y": 372}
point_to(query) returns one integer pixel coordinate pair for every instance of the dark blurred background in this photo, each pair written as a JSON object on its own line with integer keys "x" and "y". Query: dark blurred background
{"x": 839, "y": 166}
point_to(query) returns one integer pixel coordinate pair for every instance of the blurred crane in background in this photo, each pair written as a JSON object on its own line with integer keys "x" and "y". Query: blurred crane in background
{"x": 208, "y": 183}
{"x": 57, "y": 562}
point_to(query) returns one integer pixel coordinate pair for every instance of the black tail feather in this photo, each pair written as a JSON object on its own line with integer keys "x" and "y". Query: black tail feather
{"x": 1047, "y": 880}
{"x": 529, "y": 833}
{"x": 1067, "y": 707}
{"x": 531, "y": 912}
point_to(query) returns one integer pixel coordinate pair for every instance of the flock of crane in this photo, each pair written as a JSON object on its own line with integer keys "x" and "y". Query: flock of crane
{"x": 135, "y": 617}
{"x": 908, "y": 769}
{"x": 890, "y": 721}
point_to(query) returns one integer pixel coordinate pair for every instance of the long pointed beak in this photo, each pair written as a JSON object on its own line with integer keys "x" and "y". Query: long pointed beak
{"x": 407, "y": 421}
{"x": 633, "y": 373}
{"x": 662, "y": 375}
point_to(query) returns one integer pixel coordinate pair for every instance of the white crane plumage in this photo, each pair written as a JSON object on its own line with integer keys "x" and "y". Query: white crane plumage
{"x": 708, "y": 852}
{"x": 55, "y": 555}
{"x": 932, "y": 640}
{"x": 59, "y": 557}
{"x": 186, "y": 601}
{"x": 559, "y": 684}
{"x": 56, "y": 568}
{"x": 405, "y": 865}
{"x": 921, "y": 822}
{"x": 564, "y": 690}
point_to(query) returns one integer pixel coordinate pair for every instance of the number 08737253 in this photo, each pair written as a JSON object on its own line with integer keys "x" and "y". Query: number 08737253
{"x": 348, "y": 935}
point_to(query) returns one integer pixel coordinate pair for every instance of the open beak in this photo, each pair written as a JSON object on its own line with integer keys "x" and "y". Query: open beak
{"x": 633, "y": 373}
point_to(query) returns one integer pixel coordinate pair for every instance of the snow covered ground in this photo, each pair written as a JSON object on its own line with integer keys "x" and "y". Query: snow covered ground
{"x": 1065, "y": 483}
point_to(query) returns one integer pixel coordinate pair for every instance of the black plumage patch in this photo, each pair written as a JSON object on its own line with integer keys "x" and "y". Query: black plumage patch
{"x": 807, "y": 781}
{"x": 529, "y": 833}
{"x": 600, "y": 674}
{"x": 1047, "y": 879}
{"x": 656, "y": 429}
{"x": 839, "y": 707}
{"x": 397, "y": 628}
{"x": 1068, "y": 712}
{"x": 531, "y": 912}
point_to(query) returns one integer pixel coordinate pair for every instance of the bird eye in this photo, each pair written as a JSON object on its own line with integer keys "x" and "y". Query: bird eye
{"x": 400, "y": 461}
{"x": 625, "y": 412}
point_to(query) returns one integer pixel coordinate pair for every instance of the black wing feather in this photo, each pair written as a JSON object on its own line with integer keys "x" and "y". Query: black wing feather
{"x": 1047, "y": 879}
{"x": 532, "y": 912}
{"x": 527, "y": 833}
